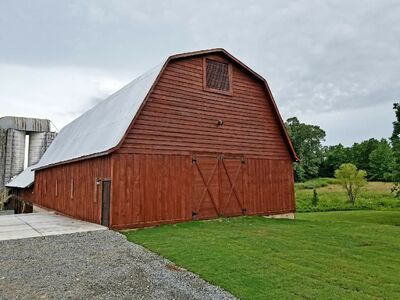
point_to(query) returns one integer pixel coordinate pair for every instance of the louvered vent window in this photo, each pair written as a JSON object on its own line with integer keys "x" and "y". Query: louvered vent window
{"x": 217, "y": 76}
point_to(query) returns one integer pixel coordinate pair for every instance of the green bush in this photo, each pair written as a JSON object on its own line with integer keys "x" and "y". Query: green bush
{"x": 316, "y": 183}
{"x": 315, "y": 198}
{"x": 351, "y": 179}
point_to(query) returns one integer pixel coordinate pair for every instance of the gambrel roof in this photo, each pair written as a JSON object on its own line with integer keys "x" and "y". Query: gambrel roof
{"x": 101, "y": 130}
{"x": 102, "y": 127}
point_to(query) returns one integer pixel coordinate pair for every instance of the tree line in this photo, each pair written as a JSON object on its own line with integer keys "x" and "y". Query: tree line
{"x": 379, "y": 158}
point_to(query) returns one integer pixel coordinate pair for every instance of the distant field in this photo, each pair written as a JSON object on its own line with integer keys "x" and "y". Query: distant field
{"x": 341, "y": 255}
{"x": 376, "y": 195}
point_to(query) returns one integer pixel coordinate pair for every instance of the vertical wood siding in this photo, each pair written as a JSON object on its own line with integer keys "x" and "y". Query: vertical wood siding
{"x": 218, "y": 186}
{"x": 180, "y": 117}
{"x": 70, "y": 188}
{"x": 27, "y": 194}
{"x": 155, "y": 189}
{"x": 150, "y": 189}
{"x": 270, "y": 186}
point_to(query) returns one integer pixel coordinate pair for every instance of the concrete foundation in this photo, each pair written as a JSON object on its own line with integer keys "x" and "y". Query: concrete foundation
{"x": 291, "y": 216}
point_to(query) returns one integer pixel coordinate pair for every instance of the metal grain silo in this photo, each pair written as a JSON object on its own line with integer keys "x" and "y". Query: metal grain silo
{"x": 38, "y": 144}
{"x": 15, "y": 153}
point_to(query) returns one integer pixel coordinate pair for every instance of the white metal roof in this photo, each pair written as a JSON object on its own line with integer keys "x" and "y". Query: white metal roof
{"x": 102, "y": 127}
{"x": 24, "y": 179}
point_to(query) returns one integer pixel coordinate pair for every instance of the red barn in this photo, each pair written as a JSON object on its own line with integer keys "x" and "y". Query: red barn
{"x": 196, "y": 137}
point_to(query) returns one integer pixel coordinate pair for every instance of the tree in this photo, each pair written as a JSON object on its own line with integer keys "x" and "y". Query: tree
{"x": 381, "y": 162}
{"x": 359, "y": 153}
{"x": 395, "y": 139}
{"x": 306, "y": 141}
{"x": 351, "y": 179}
{"x": 333, "y": 157}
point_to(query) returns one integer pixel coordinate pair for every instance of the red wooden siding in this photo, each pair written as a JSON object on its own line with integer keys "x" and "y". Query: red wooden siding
{"x": 150, "y": 189}
{"x": 232, "y": 173}
{"x": 154, "y": 189}
{"x": 180, "y": 117}
{"x": 218, "y": 186}
{"x": 230, "y": 186}
{"x": 270, "y": 187}
{"x": 70, "y": 188}
{"x": 26, "y": 194}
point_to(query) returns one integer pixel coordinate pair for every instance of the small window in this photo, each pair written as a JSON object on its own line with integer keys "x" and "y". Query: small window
{"x": 56, "y": 187}
{"x": 217, "y": 76}
{"x": 96, "y": 183}
{"x": 45, "y": 186}
{"x": 72, "y": 189}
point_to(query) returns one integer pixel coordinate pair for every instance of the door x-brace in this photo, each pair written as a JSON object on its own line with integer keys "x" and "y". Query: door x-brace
{"x": 207, "y": 184}
{"x": 233, "y": 186}
{"x": 206, "y": 189}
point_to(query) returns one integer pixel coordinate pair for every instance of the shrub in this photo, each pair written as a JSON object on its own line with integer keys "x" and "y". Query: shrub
{"x": 315, "y": 198}
{"x": 351, "y": 179}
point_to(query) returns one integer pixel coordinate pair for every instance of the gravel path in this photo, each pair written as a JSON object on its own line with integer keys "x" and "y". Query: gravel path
{"x": 94, "y": 265}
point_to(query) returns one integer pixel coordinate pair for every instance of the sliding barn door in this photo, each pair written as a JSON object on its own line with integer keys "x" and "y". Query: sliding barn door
{"x": 231, "y": 186}
{"x": 205, "y": 199}
{"x": 217, "y": 186}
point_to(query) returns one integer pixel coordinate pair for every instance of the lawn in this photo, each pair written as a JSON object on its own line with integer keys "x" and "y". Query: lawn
{"x": 375, "y": 195}
{"x": 343, "y": 255}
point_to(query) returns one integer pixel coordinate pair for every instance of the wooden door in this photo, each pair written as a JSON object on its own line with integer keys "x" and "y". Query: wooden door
{"x": 205, "y": 200}
{"x": 217, "y": 186}
{"x": 231, "y": 186}
{"x": 105, "y": 203}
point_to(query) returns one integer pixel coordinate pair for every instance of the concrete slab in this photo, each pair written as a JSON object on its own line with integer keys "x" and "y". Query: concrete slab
{"x": 41, "y": 224}
{"x": 290, "y": 216}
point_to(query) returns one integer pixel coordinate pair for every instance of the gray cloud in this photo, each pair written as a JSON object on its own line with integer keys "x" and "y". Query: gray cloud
{"x": 335, "y": 63}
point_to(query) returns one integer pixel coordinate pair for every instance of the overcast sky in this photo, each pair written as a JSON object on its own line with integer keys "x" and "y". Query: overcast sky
{"x": 335, "y": 64}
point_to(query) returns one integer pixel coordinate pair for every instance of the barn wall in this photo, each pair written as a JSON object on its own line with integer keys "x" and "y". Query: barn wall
{"x": 21, "y": 199}
{"x": 150, "y": 189}
{"x": 154, "y": 189}
{"x": 270, "y": 187}
{"x": 180, "y": 117}
{"x": 27, "y": 194}
{"x": 71, "y": 189}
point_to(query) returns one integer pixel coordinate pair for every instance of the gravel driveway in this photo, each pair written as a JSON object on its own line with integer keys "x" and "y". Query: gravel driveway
{"x": 93, "y": 265}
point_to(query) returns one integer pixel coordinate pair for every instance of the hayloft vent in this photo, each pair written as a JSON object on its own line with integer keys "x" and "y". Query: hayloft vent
{"x": 217, "y": 76}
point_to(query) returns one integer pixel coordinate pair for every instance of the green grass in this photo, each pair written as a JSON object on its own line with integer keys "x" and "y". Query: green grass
{"x": 376, "y": 195}
{"x": 342, "y": 255}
